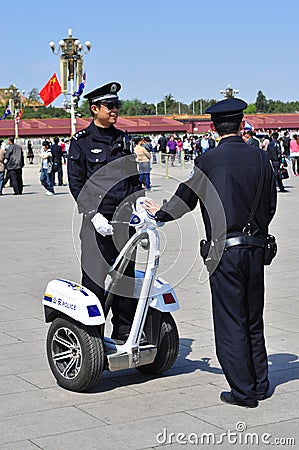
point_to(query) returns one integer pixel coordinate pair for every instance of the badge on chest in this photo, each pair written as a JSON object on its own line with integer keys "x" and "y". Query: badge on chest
{"x": 96, "y": 150}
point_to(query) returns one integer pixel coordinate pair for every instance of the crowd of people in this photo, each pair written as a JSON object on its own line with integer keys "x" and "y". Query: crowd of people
{"x": 173, "y": 146}
{"x": 282, "y": 148}
{"x": 52, "y": 155}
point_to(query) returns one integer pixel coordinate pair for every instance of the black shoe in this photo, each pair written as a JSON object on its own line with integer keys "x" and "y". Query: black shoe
{"x": 283, "y": 190}
{"x": 119, "y": 339}
{"x": 122, "y": 338}
{"x": 229, "y": 398}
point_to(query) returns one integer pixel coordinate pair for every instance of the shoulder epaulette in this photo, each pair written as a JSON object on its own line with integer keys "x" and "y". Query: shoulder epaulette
{"x": 80, "y": 134}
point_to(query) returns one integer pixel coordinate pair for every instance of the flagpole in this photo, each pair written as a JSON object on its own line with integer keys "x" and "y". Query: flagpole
{"x": 16, "y": 128}
{"x": 15, "y": 106}
{"x": 73, "y": 115}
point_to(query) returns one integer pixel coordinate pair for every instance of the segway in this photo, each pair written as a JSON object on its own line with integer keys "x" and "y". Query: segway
{"x": 77, "y": 350}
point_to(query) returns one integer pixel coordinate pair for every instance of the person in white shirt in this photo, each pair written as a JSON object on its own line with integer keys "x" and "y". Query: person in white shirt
{"x": 46, "y": 177}
{"x": 187, "y": 149}
{"x": 204, "y": 143}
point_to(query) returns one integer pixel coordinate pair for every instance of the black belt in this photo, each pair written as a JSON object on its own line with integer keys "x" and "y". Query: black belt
{"x": 245, "y": 239}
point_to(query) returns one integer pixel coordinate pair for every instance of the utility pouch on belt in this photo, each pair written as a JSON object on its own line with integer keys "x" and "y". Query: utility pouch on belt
{"x": 211, "y": 252}
{"x": 270, "y": 249}
{"x": 204, "y": 248}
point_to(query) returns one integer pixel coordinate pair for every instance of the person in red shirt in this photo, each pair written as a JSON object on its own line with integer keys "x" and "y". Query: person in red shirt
{"x": 62, "y": 145}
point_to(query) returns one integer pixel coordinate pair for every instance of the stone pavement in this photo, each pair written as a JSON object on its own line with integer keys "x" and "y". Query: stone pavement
{"x": 128, "y": 410}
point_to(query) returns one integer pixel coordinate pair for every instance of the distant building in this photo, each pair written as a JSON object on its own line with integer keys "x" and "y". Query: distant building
{"x": 35, "y": 128}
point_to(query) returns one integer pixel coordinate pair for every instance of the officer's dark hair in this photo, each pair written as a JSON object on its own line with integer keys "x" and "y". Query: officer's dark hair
{"x": 275, "y": 135}
{"x": 11, "y": 139}
{"x": 56, "y": 140}
{"x": 98, "y": 104}
{"x": 230, "y": 126}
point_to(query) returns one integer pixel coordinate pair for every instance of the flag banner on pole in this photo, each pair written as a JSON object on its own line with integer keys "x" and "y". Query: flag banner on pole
{"x": 51, "y": 90}
{"x": 81, "y": 86}
{"x": 19, "y": 116}
{"x": 6, "y": 113}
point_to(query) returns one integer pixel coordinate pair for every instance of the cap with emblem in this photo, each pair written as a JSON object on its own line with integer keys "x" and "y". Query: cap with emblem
{"x": 106, "y": 93}
{"x": 226, "y": 109}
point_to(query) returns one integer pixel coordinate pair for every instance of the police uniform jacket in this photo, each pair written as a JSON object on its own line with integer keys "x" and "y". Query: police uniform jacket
{"x": 101, "y": 170}
{"x": 233, "y": 170}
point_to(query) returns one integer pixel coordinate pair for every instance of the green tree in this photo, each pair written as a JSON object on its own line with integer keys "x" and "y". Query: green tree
{"x": 33, "y": 96}
{"x": 201, "y": 105}
{"x": 261, "y": 103}
{"x": 44, "y": 112}
{"x": 84, "y": 109}
{"x": 131, "y": 107}
{"x": 251, "y": 109}
{"x": 169, "y": 104}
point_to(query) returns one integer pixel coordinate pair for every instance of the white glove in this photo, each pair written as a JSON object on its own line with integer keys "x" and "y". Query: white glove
{"x": 102, "y": 225}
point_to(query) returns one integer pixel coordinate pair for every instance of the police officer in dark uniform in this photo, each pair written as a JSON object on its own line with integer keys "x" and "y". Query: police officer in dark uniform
{"x": 103, "y": 179}
{"x": 231, "y": 172}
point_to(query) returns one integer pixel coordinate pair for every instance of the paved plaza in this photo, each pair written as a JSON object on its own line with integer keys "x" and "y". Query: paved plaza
{"x": 126, "y": 409}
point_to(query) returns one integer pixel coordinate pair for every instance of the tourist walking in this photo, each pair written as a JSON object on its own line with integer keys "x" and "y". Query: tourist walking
{"x": 14, "y": 162}
{"x": 46, "y": 178}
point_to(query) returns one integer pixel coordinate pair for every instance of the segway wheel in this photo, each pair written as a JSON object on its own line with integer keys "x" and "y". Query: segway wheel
{"x": 168, "y": 347}
{"x": 75, "y": 353}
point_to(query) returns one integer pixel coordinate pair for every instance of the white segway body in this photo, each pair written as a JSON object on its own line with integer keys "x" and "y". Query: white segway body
{"x": 75, "y": 301}
{"x": 65, "y": 299}
{"x": 82, "y": 305}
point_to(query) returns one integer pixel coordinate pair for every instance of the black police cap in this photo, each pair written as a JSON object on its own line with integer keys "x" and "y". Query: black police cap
{"x": 107, "y": 93}
{"x": 227, "y": 108}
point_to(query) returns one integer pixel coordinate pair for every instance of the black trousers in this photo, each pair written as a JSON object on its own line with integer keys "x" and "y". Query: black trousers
{"x": 98, "y": 253}
{"x": 277, "y": 173}
{"x": 59, "y": 175}
{"x": 16, "y": 182}
{"x": 237, "y": 287}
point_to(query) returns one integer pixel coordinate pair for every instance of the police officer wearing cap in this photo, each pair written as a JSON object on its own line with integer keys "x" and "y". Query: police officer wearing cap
{"x": 229, "y": 174}
{"x": 104, "y": 181}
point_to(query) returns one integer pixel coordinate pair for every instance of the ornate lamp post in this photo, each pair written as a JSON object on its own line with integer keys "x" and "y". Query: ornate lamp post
{"x": 229, "y": 92}
{"x": 15, "y": 105}
{"x": 71, "y": 70}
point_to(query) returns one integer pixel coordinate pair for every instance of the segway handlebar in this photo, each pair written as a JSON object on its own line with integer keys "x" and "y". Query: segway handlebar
{"x": 141, "y": 216}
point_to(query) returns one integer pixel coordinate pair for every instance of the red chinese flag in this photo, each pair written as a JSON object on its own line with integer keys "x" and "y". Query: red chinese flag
{"x": 51, "y": 90}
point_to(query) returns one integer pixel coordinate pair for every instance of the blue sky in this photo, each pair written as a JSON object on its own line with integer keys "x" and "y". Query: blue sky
{"x": 190, "y": 49}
